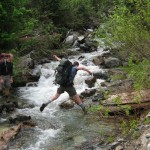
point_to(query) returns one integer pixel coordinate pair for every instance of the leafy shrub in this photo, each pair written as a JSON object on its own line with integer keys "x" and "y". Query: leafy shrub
{"x": 128, "y": 28}
{"x": 139, "y": 72}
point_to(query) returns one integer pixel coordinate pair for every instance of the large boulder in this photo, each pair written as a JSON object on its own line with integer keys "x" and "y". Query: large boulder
{"x": 101, "y": 75}
{"x": 19, "y": 118}
{"x": 67, "y": 104}
{"x": 88, "y": 92}
{"x": 90, "y": 82}
{"x": 111, "y": 62}
{"x": 98, "y": 60}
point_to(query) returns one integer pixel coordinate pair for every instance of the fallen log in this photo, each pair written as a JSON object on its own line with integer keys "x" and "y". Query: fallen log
{"x": 126, "y": 103}
{"x": 127, "y": 109}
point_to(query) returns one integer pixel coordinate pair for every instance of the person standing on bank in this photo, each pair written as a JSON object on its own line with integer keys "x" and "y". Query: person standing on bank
{"x": 6, "y": 74}
{"x": 70, "y": 89}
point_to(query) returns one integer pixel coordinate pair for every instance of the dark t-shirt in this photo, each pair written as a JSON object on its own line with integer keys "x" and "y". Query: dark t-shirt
{"x": 6, "y": 68}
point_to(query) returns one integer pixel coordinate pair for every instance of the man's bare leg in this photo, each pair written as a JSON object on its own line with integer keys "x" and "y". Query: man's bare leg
{"x": 79, "y": 102}
{"x": 7, "y": 92}
{"x": 77, "y": 99}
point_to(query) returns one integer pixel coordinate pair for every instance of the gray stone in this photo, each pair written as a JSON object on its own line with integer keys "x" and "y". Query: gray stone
{"x": 119, "y": 147}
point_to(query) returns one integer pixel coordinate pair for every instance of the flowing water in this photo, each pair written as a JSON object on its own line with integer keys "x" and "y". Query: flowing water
{"x": 59, "y": 129}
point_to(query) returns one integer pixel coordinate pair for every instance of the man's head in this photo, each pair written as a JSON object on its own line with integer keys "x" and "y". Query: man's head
{"x": 75, "y": 63}
{"x": 4, "y": 56}
{"x": 11, "y": 56}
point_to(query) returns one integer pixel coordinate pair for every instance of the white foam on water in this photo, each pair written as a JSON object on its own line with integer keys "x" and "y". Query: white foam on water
{"x": 43, "y": 138}
{"x": 46, "y": 89}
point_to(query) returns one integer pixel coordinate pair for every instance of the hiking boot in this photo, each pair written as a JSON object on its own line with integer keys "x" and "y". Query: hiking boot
{"x": 43, "y": 106}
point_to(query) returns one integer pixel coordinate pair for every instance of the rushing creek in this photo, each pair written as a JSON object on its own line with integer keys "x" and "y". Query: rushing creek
{"x": 59, "y": 129}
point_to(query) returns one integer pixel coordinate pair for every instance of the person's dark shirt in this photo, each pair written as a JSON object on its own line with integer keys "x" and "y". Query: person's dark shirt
{"x": 6, "y": 68}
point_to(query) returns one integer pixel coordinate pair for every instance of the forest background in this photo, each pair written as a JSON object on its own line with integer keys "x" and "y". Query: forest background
{"x": 41, "y": 26}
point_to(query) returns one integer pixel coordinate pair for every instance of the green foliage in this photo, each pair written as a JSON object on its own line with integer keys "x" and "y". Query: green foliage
{"x": 124, "y": 127}
{"x": 138, "y": 98}
{"x": 99, "y": 108}
{"x": 117, "y": 100}
{"x": 42, "y": 44}
{"x": 105, "y": 93}
{"x": 102, "y": 131}
{"x": 96, "y": 108}
{"x": 117, "y": 77}
{"x": 127, "y": 109}
{"x": 147, "y": 120}
{"x": 74, "y": 13}
{"x": 130, "y": 127}
{"x": 31, "y": 18}
{"x": 18, "y": 71}
{"x": 14, "y": 19}
{"x": 128, "y": 28}
{"x": 110, "y": 138}
{"x": 139, "y": 72}
{"x": 29, "y": 25}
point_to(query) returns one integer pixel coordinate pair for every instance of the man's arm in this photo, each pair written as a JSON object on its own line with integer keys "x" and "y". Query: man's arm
{"x": 11, "y": 73}
{"x": 56, "y": 57}
{"x": 1, "y": 79}
{"x": 0, "y": 69}
{"x": 85, "y": 69}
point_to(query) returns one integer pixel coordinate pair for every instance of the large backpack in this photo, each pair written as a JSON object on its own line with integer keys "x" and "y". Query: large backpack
{"x": 63, "y": 72}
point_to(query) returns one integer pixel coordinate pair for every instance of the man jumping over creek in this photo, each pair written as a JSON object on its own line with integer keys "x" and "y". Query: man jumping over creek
{"x": 69, "y": 88}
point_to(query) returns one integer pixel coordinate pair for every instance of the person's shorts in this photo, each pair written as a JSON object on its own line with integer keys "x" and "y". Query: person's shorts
{"x": 7, "y": 82}
{"x": 69, "y": 89}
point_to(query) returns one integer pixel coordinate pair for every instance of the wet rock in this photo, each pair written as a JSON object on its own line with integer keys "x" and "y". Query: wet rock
{"x": 29, "y": 123}
{"x": 81, "y": 57}
{"x": 101, "y": 75}
{"x": 111, "y": 62}
{"x": 90, "y": 30}
{"x": 106, "y": 49}
{"x": 90, "y": 82}
{"x": 148, "y": 146}
{"x": 8, "y": 106}
{"x": 84, "y": 47}
{"x": 98, "y": 97}
{"x": 23, "y": 78}
{"x": 88, "y": 92}
{"x": 26, "y": 62}
{"x": 75, "y": 44}
{"x": 119, "y": 147}
{"x": 69, "y": 40}
{"x": 43, "y": 61}
{"x": 118, "y": 85}
{"x": 98, "y": 60}
{"x": 121, "y": 140}
{"x": 19, "y": 118}
{"x": 117, "y": 72}
{"x": 114, "y": 145}
{"x": 148, "y": 115}
{"x": 22, "y": 106}
{"x": 81, "y": 39}
{"x": 31, "y": 84}
{"x": 67, "y": 104}
{"x": 78, "y": 140}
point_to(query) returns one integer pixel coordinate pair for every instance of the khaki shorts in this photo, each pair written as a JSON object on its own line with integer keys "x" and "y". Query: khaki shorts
{"x": 69, "y": 89}
{"x": 7, "y": 82}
